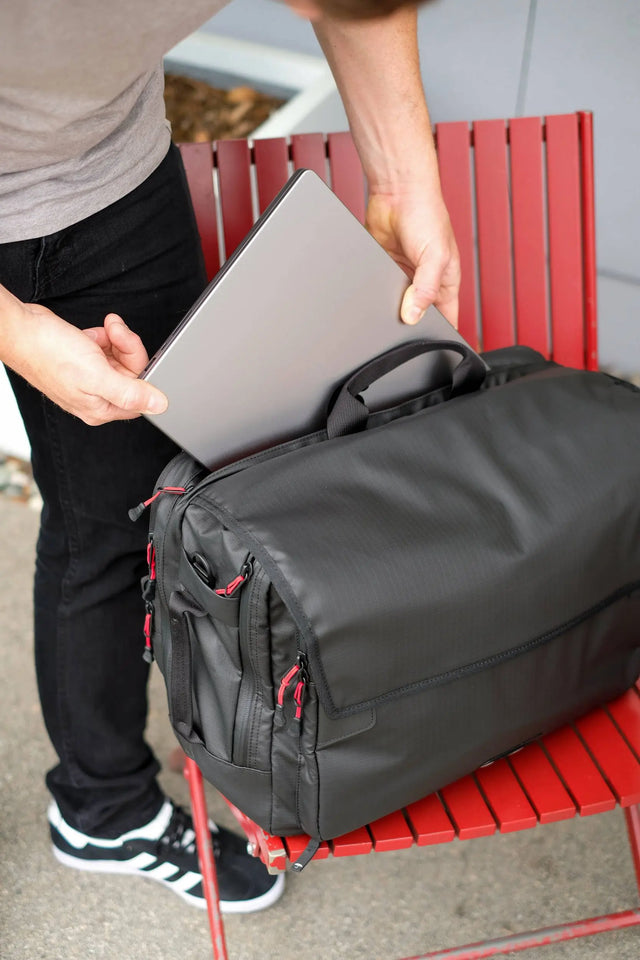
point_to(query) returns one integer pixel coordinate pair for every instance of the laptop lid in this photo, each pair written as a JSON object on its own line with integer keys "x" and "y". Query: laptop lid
{"x": 306, "y": 298}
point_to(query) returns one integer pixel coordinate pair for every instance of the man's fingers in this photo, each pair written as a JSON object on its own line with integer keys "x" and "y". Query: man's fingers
{"x": 448, "y": 307}
{"x": 127, "y": 345}
{"x": 433, "y": 283}
{"x": 99, "y": 336}
{"x": 134, "y": 396}
{"x": 418, "y": 297}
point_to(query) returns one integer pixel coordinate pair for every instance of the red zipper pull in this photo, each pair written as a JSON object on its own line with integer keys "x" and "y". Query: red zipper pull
{"x": 151, "y": 559}
{"x": 136, "y": 512}
{"x": 284, "y": 683}
{"x": 299, "y": 670}
{"x": 148, "y": 595}
{"x": 279, "y": 718}
{"x": 295, "y": 725}
{"x": 147, "y": 656}
{"x": 298, "y": 697}
{"x": 243, "y": 576}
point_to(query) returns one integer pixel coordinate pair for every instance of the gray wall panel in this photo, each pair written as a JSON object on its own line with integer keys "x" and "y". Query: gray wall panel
{"x": 586, "y": 54}
{"x": 265, "y": 21}
{"x": 619, "y": 325}
{"x": 471, "y": 52}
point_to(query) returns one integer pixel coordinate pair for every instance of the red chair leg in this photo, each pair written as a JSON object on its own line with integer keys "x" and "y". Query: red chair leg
{"x": 536, "y": 938}
{"x": 206, "y": 858}
{"x": 632, "y": 816}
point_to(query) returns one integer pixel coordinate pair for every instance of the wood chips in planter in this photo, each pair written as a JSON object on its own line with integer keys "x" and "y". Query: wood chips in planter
{"x": 199, "y": 112}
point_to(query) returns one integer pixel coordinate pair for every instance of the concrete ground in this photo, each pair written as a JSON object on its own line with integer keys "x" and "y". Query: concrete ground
{"x": 377, "y": 907}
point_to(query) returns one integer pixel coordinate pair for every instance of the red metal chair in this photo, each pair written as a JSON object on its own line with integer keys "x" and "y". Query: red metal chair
{"x": 520, "y": 194}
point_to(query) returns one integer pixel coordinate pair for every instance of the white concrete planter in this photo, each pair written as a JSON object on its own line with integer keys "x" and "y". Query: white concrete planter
{"x": 313, "y": 103}
{"x": 13, "y": 439}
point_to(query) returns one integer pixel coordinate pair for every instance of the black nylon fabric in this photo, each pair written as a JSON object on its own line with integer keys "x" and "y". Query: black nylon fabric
{"x": 451, "y": 536}
{"x": 458, "y": 578}
{"x": 349, "y": 412}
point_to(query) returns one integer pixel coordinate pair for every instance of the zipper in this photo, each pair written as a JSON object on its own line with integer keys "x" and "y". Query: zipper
{"x": 250, "y": 695}
{"x": 148, "y": 595}
{"x": 246, "y": 572}
{"x": 294, "y": 681}
{"x": 159, "y": 544}
{"x": 192, "y": 478}
{"x": 136, "y": 512}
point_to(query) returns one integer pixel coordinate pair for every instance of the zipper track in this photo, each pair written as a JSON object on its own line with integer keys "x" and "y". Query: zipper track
{"x": 486, "y": 662}
{"x": 247, "y": 712}
{"x": 378, "y": 417}
{"x": 191, "y": 481}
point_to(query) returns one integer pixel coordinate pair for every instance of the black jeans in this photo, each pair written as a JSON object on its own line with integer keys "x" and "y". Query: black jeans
{"x": 139, "y": 258}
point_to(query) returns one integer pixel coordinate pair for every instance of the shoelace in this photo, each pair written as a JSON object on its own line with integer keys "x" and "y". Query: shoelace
{"x": 180, "y": 835}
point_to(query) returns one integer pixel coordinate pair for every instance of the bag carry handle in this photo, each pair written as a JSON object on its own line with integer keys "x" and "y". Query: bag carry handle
{"x": 350, "y": 413}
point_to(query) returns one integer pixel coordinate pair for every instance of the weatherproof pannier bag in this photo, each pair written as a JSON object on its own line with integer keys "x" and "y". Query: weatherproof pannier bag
{"x": 354, "y": 619}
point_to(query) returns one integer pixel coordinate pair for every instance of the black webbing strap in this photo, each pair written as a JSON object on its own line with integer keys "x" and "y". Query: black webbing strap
{"x": 350, "y": 413}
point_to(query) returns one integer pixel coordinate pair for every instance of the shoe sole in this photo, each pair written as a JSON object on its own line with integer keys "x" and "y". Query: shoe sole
{"x": 226, "y": 906}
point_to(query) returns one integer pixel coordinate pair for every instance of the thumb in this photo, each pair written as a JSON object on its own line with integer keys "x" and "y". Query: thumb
{"x": 127, "y": 345}
{"x": 419, "y": 296}
{"x": 132, "y": 395}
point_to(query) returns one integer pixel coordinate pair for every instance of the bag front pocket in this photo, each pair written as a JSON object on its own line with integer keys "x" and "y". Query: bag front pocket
{"x": 220, "y": 682}
{"x": 205, "y": 677}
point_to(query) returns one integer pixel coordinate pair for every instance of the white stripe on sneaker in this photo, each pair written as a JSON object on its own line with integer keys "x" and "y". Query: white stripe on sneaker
{"x": 149, "y": 831}
{"x": 163, "y": 871}
{"x": 183, "y": 884}
{"x": 135, "y": 865}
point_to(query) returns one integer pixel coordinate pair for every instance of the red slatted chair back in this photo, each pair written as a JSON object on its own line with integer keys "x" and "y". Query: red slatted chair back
{"x": 520, "y": 196}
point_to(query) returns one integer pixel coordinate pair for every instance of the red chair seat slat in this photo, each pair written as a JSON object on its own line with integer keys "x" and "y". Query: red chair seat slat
{"x": 565, "y": 240}
{"x": 308, "y": 150}
{"x": 626, "y": 713}
{"x": 505, "y": 797}
{"x": 494, "y": 233}
{"x": 234, "y": 164}
{"x": 356, "y": 842}
{"x": 347, "y": 180}
{"x": 429, "y": 821}
{"x": 467, "y": 808}
{"x": 271, "y": 159}
{"x": 529, "y": 260}
{"x": 612, "y": 754}
{"x": 391, "y": 832}
{"x": 579, "y": 773}
{"x": 542, "y": 784}
{"x": 454, "y": 142}
{"x": 297, "y": 844}
{"x": 197, "y": 159}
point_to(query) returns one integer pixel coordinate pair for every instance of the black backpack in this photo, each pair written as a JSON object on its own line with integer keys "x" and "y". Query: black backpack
{"x": 354, "y": 619}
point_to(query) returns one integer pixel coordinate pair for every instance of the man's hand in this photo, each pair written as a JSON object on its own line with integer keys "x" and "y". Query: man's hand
{"x": 376, "y": 66}
{"x": 91, "y": 374}
{"x": 414, "y": 228}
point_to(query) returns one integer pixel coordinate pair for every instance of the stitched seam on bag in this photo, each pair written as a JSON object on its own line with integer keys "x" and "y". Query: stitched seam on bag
{"x": 287, "y": 594}
{"x": 492, "y": 661}
{"x": 448, "y": 676}
{"x": 492, "y": 381}
{"x": 254, "y": 730}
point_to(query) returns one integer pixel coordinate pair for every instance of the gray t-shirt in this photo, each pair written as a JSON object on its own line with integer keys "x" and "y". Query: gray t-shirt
{"x": 82, "y": 119}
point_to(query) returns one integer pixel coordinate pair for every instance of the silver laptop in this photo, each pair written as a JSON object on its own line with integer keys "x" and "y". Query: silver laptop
{"x": 305, "y": 299}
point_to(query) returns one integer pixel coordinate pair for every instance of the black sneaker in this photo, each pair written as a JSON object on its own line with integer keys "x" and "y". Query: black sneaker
{"x": 165, "y": 850}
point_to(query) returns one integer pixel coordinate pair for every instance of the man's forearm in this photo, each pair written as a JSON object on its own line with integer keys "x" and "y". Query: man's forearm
{"x": 376, "y": 67}
{"x": 10, "y": 327}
